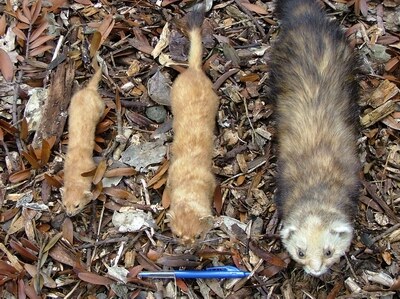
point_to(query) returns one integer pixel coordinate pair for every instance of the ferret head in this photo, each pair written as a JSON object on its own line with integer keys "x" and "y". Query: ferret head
{"x": 74, "y": 201}
{"x": 317, "y": 242}
{"x": 190, "y": 223}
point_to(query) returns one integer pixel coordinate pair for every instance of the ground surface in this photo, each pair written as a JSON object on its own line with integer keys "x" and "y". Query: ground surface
{"x": 47, "y": 50}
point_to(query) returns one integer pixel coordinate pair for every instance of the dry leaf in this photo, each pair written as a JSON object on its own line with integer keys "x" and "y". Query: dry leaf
{"x": 100, "y": 171}
{"x": 68, "y": 230}
{"x": 25, "y": 252}
{"x": 163, "y": 41}
{"x": 40, "y": 41}
{"x": 254, "y": 8}
{"x": 3, "y": 25}
{"x": 95, "y": 43}
{"x": 159, "y": 174}
{"x": 6, "y": 66}
{"x": 63, "y": 255}
{"x": 267, "y": 256}
{"x": 53, "y": 180}
{"x": 22, "y": 17}
{"x": 18, "y": 32}
{"x": 52, "y": 242}
{"x": 122, "y": 171}
{"x": 36, "y": 8}
{"x": 218, "y": 199}
{"x": 20, "y": 176}
{"x": 119, "y": 193}
{"x": 39, "y": 50}
{"x": 166, "y": 200}
{"x": 12, "y": 258}
{"x": 38, "y": 31}
{"x": 45, "y": 153}
{"x": 32, "y": 160}
{"x": 94, "y": 278}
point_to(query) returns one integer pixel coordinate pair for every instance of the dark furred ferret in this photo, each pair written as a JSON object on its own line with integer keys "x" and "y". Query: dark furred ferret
{"x": 191, "y": 183}
{"x": 313, "y": 82}
{"x": 85, "y": 111}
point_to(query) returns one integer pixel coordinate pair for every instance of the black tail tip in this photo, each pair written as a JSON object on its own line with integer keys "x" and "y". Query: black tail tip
{"x": 196, "y": 16}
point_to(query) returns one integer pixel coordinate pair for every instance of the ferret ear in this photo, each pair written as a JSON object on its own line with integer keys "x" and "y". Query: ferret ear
{"x": 287, "y": 231}
{"x": 341, "y": 228}
{"x": 88, "y": 196}
{"x": 207, "y": 222}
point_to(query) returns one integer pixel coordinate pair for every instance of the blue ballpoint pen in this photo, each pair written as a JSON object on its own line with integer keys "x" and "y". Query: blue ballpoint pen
{"x": 213, "y": 272}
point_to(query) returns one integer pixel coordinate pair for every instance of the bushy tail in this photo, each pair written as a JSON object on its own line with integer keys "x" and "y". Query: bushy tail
{"x": 195, "y": 20}
{"x": 94, "y": 82}
{"x": 287, "y": 9}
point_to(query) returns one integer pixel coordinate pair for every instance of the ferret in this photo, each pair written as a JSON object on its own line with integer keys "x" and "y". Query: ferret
{"x": 191, "y": 183}
{"x": 313, "y": 83}
{"x": 85, "y": 111}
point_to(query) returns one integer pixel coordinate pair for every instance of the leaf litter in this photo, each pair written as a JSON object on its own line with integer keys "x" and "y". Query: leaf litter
{"x": 47, "y": 47}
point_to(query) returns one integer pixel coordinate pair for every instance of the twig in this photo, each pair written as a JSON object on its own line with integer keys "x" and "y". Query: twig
{"x": 119, "y": 253}
{"x": 350, "y": 266}
{"x": 108, "y": 241}
{"x": 386, "y": 232}
{"x": 247, "y": 12}
{"x": 329, "y": 4}
{"x": 248, "y": 118}
{"x": 223, "y": 77}
{"x": 14, "y": 109}
{"x": 72, "y": 291}
{"x": 239, "y": 174}
{"x": 146, "y": 192}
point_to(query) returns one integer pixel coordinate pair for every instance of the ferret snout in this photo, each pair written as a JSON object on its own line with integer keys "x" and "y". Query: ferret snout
{"x": 315, "y": 268}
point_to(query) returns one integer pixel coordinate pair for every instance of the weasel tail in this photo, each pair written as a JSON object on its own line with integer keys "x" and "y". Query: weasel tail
{"x": 191, "y": 183}
{"x": 313, "y": 83}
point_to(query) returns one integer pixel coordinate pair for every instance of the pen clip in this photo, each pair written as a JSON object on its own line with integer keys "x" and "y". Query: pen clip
{"x": 224, "y": 269}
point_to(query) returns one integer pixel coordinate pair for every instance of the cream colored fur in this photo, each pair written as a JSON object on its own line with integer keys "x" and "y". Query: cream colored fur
{"x": 85, "y": 110}
{"x": 191, "y": 183}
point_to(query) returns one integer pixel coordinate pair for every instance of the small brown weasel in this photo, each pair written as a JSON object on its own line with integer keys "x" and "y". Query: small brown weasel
{"x": 85, "y": 110}
{"x": 191, "y": 183}
{"x": 313, "y": 81}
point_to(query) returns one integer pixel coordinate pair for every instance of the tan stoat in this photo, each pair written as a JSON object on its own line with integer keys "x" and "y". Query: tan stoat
{"x": 191, "y": 183}
{"x": 85, "y": 110}
{"x": 313, "y": 81}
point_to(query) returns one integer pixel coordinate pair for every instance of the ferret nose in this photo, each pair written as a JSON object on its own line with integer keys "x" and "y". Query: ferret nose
{"x": 316, "y": 266}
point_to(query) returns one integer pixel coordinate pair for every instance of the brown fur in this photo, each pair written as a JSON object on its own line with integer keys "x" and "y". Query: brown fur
{"x": 313, "y": 82}
{"x": 85, "y": 110}
{"x": 191, "y": 183}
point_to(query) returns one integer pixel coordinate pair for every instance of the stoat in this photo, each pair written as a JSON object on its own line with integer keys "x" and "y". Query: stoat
{"x": 313, "y": 82}
{"x": 191, "y": 183}
{"x": 85, "y": 110}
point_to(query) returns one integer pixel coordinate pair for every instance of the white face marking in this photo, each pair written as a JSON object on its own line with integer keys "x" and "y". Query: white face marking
{"x": 318, "y": 243}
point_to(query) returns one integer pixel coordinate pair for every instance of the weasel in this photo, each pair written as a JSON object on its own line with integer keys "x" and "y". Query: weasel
{"x": 313, "y": 83}
{"x": 85, "y": 110}
{"x": 191, "y": 183}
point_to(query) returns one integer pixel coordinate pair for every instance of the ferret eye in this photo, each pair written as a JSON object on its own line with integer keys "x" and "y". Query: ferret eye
{"x": 328, "y": 253}
{"x": 300, "y": 253}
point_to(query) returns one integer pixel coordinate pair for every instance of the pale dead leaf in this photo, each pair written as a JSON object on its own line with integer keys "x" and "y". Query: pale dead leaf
{"x": 163, "y": 41}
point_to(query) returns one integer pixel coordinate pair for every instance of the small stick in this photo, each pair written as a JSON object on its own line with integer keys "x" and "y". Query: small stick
{"x": 247, "y": 12}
